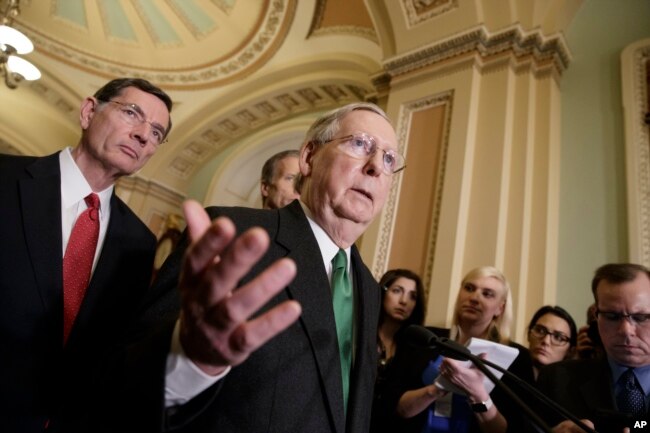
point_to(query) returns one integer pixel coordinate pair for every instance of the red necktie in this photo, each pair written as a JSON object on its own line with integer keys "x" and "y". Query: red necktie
{"x": 78, "y": 261}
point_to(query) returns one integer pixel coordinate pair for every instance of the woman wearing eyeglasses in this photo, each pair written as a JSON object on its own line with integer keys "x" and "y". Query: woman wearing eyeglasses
{"x": 483, "y": 310}
{"x": 552, "y": 337}
{"x": 402, "y": 304}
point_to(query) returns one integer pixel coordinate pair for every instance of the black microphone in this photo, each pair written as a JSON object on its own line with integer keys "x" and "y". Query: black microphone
{"x": 421, "y": 336}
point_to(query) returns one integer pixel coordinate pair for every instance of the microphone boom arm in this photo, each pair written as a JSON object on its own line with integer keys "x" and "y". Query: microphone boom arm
{"x": 481, "y": 365}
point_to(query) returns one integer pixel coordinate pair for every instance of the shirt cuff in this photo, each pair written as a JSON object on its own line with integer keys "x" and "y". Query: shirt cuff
{"x": 183, "y": 379}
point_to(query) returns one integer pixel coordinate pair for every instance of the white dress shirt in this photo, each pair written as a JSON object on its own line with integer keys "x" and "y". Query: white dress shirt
{"x": 74, "y": 188}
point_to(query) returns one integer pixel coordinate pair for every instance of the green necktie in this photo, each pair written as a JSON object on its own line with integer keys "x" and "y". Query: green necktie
{"x": 343, "y": 303}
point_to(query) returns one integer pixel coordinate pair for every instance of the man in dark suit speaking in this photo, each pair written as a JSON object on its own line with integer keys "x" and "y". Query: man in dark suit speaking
{"x": 613, "y": 392}
{"x": 278, "y": 327}
{"x": 75, "y": 260}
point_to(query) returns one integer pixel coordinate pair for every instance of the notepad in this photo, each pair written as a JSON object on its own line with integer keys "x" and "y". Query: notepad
{"x": 499, "y": 354}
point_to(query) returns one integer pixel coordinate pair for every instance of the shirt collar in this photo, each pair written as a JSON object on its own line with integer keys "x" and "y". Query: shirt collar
{"x": 75, "y": 187}
{"x": 328, "y": 248}
{"x": 642, "y": 374}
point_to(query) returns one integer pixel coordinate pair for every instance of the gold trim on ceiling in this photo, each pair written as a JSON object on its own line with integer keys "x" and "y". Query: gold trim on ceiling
{"x": 248, "y": 57}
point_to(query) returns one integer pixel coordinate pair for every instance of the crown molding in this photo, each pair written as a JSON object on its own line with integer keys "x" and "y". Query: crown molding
{"x": 546, "y": 52}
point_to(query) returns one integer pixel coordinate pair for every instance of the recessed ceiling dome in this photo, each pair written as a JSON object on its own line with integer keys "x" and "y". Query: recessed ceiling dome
{"x": 159, "y": 40}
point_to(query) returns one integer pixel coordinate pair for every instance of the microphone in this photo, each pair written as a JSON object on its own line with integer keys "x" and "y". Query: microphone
{"x": 421, "y": 336}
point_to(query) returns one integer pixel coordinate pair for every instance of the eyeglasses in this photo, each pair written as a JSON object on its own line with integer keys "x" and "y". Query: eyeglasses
{"x": 557, "y": 337}
{"x": 133, "y": 115}
{"x": 363, "y": 146}
{"x": 611, "y": 317}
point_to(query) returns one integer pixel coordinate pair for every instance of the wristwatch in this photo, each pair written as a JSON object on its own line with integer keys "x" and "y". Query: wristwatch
{"x": 481, "y": 407}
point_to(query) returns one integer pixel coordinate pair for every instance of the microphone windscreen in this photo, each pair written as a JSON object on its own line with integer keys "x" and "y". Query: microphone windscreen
{"x": 420, "y": 336}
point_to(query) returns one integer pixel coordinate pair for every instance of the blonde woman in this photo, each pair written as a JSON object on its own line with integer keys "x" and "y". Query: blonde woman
{"x": 483, "y": 310}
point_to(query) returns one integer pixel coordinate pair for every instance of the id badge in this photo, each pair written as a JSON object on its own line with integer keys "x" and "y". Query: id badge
{"x": 443, "y": 406}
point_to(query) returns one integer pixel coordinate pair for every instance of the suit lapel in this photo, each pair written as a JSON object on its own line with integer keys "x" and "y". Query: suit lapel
{"x": 597, "y": 396}
{"x": 311, "y": 289}
{"x": 366, "y": 319}
{"x": 40, "y": 201}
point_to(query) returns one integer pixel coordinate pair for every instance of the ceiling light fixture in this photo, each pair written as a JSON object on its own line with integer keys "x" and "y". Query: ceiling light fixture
{"x": 13, "y": 42}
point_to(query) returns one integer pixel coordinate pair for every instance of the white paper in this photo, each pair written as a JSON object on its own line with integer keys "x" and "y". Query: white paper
{"x": 499, "y": 354}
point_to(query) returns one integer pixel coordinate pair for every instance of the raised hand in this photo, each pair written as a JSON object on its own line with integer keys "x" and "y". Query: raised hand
{"x": 215, "y": 328}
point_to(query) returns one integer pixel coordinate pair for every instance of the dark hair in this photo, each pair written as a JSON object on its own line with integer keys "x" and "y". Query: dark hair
{"x": 562, "y": 314}
{"x": 616, "y": 273}
{"x": 270, "y": 167}
{"x": 417, "y": 316}
{"x": 115, "y": 87}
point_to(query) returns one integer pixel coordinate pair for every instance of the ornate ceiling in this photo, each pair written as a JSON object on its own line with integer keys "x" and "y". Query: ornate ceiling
{"x": 234, "y": 68}
{"x": 247, "y": 77}
{"x": 160, "y": 40}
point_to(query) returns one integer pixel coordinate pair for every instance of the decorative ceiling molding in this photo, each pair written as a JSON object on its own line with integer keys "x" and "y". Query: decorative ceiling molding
{"x": 418, "y": 11}
{"x": 316, "y": 28}
{"x": 362, "y": 32}
{"x": 222, "y": 132}
{"x": 56, "y": 100}
{"x": 317, "y": 19}
{"x": 546, "y": 52}
{"x": 249, "y": 57}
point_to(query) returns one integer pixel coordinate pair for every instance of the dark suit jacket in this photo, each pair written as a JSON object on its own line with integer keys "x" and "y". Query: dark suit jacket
{"x": 291, "y": 384}
{"x": 585, "y": 389}
{"x": 41, "y": 380}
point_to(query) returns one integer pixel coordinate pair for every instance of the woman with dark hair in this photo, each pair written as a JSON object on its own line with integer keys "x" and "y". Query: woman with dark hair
{"x": 552, "y": 337}
{"x": 402, "y": 304}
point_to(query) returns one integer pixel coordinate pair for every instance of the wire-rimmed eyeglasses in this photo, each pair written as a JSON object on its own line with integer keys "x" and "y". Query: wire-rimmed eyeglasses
{"x": 363, "y": 146}
{"x": 134, "y": 116}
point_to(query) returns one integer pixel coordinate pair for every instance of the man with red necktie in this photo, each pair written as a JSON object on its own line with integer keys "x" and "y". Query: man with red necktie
{"x": 75, "y": 259}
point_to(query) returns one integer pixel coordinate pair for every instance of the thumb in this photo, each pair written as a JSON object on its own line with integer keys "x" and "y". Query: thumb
{"x": 197, "y": 219}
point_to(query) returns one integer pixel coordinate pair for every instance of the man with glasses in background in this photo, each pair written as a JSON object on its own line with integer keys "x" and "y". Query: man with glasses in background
{"x": 75, "y": 260}
{"x": 274, "y": 330}
{"x": 610, "y": 393}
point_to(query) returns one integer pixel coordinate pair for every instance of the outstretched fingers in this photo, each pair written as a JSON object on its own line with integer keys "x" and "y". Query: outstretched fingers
{"x": 246, "y": 300}
{"x": 215, "y": 327}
